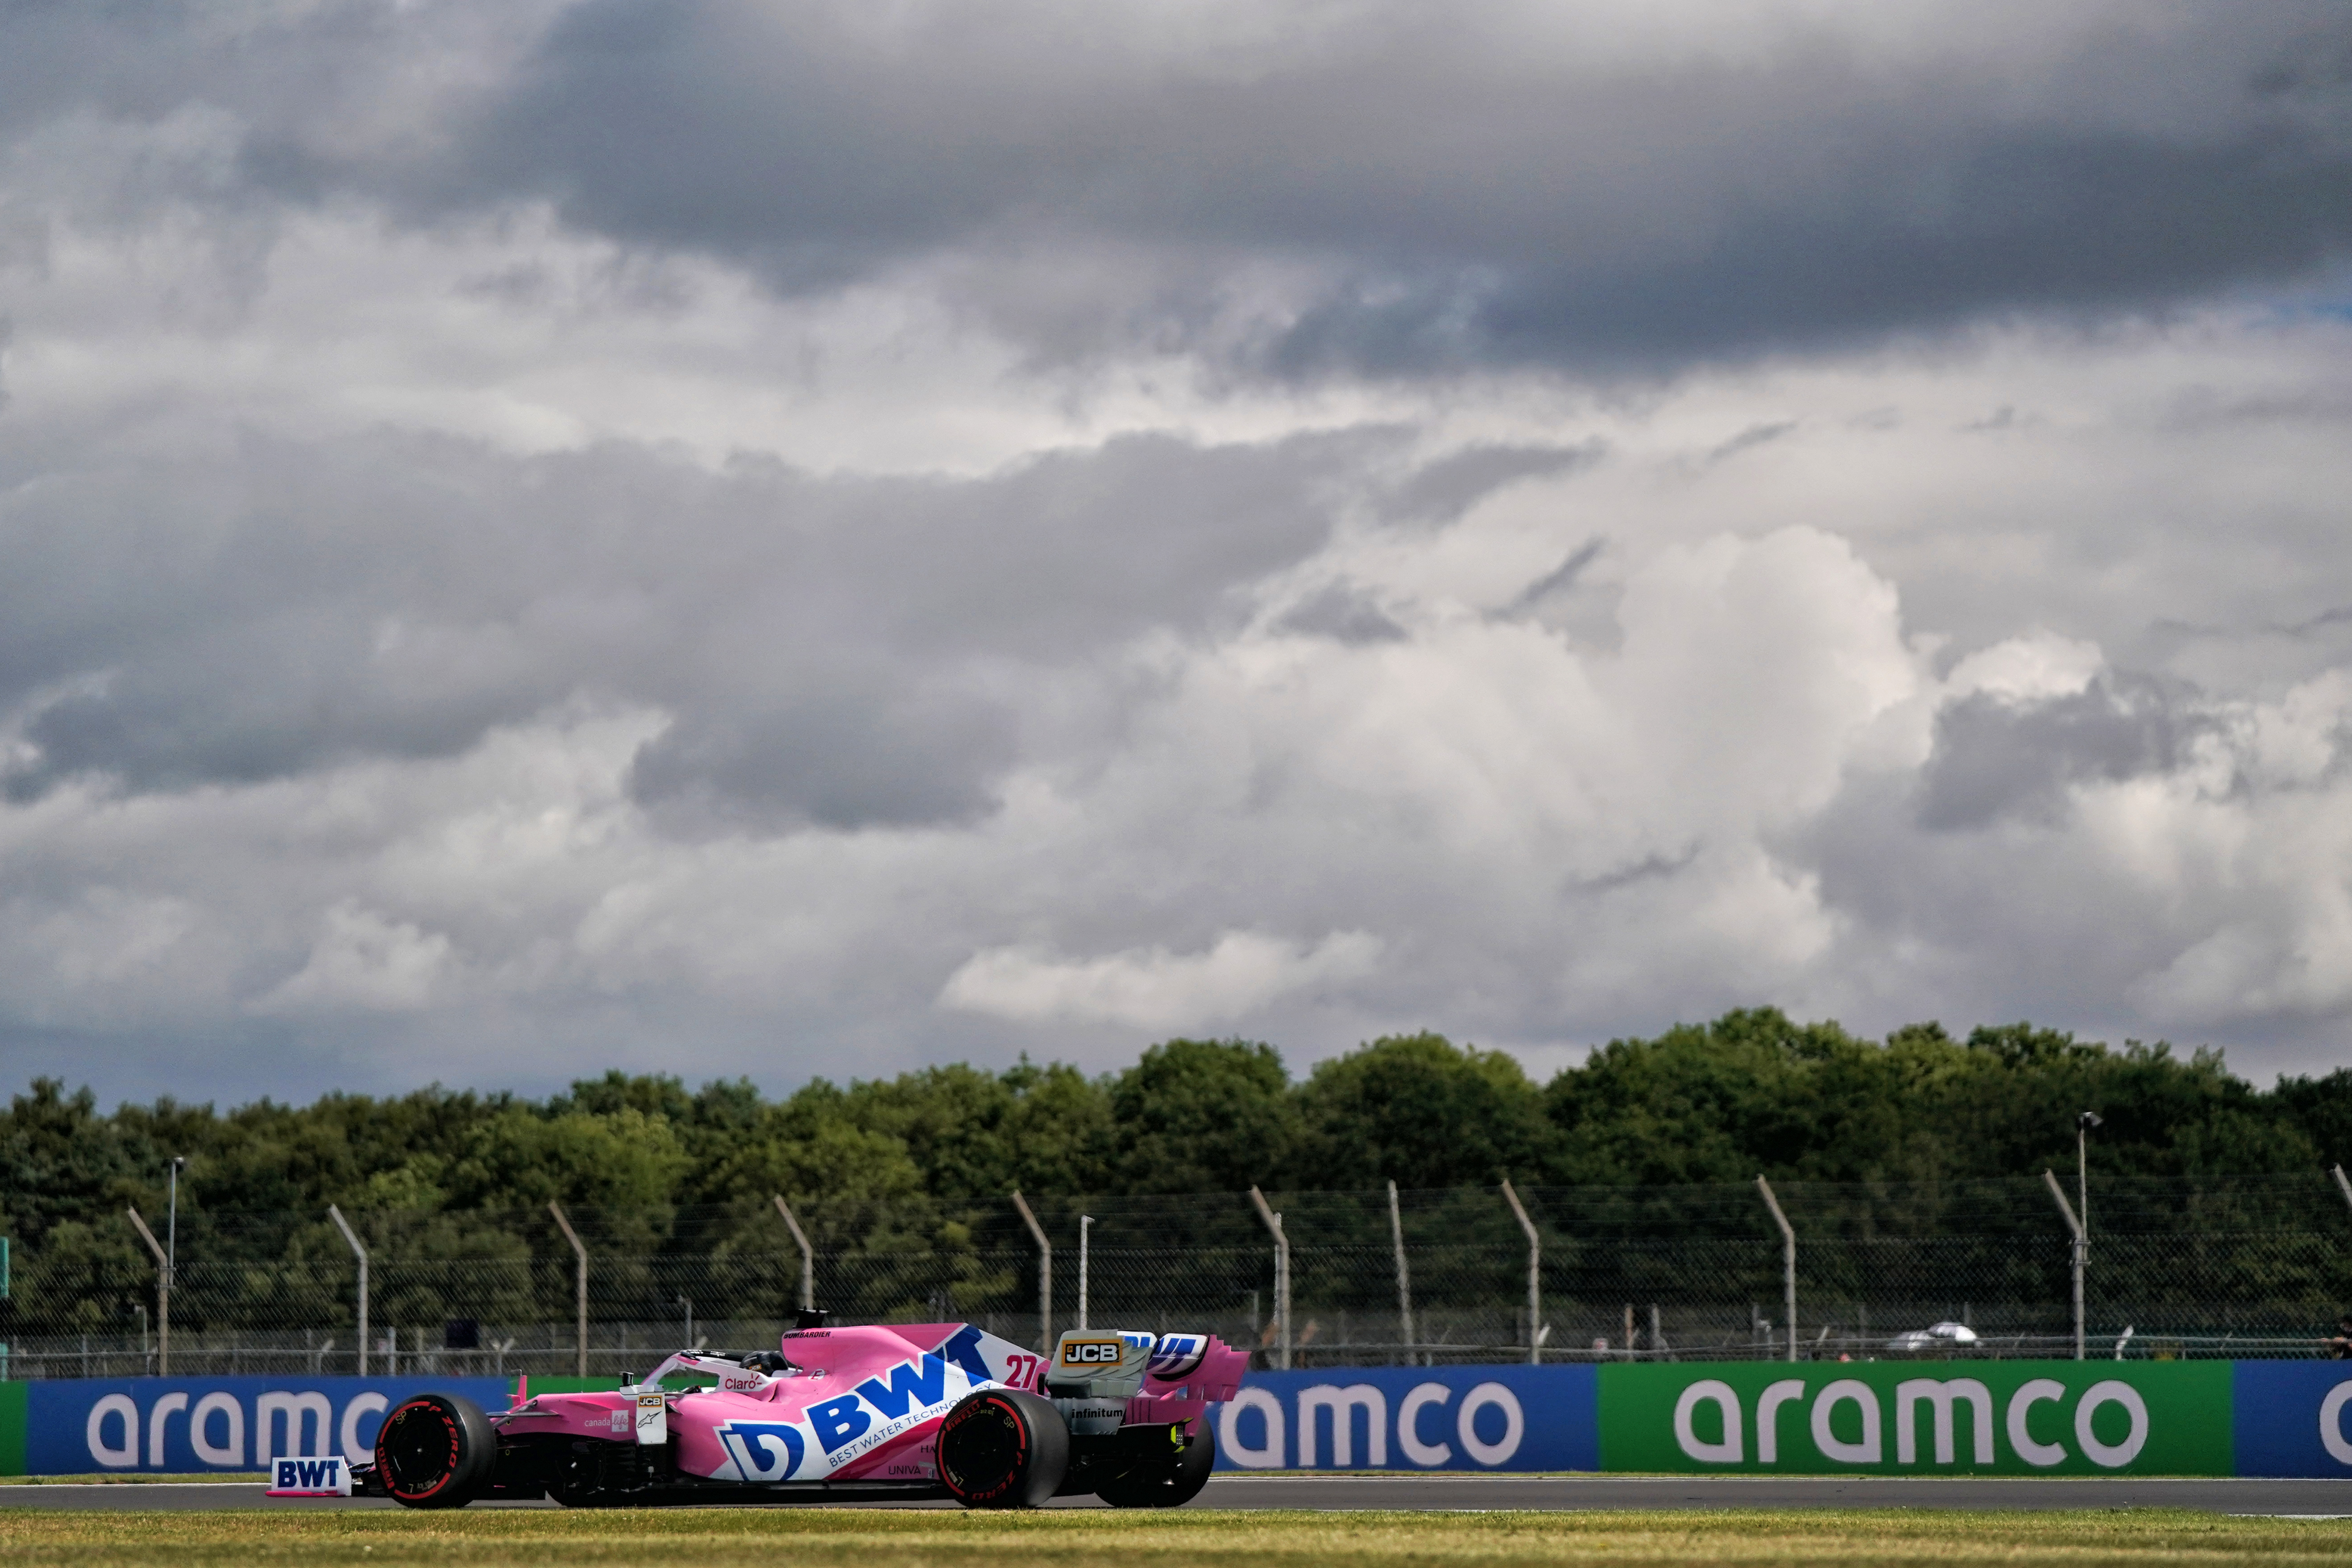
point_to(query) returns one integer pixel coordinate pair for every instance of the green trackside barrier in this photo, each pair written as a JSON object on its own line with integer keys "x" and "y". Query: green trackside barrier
{"x": 676, "y": 1381}
{"x": 12, "y": 1429}
{"x": 1987, "y": 1417}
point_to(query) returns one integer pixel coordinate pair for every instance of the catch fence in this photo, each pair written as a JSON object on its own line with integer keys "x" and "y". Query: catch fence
{"x": 2247, "y": 1269}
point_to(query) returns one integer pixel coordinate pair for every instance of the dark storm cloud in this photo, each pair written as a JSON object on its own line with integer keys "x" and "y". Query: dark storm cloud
{"x": 1445, "y": 489}
{"x": 1459, "y": 189}
{"x": 1465, "y": 207}
{"x": 1995, "y": 757}
{"x": 844, "y": 758}
{"x": 1748, "y": 441}
{"x": 1342, "y": 613}
{"x": 830, "y": 649}
{"x": 1560, "y": 578}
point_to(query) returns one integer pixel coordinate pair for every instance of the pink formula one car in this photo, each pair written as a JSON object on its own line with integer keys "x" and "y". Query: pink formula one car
{"x": 903, "y": 1410}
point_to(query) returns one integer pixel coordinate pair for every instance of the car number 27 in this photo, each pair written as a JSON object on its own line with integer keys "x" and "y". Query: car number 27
{"x": 1021, "y": 1371}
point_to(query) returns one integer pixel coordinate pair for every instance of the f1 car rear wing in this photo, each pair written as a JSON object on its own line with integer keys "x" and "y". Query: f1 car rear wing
{"x": 1106, "y": 1363}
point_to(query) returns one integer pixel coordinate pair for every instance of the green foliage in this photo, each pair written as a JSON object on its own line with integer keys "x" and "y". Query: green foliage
{"x": 1203, "y": 1116}
{"x": 904, "y": 1171}
{"x": 1754, "y": 1093}
{"x": 1720, "y": 1102}
{"x": 1420, "y": 1111}
{"x": 2322, "y": 1110}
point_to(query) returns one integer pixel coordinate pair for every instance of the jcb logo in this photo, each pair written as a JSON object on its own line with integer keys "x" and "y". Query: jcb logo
{"x": 1091, "y": 1353}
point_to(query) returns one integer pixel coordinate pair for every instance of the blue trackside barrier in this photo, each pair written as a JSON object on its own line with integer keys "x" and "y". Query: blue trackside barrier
{"x": 2291, "y": 1417}
{"x": 1414, "y": 1419}
{"x": 2243, "y": 1418}
{"x": 2282, "y": 1418}
{"x": 186, "y": 1424}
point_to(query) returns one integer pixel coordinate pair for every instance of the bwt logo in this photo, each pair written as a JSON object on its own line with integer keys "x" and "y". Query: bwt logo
{"x": 1092, "y": 1352}
{"x": 1489, "y": 1423}
{"x": 329, "y": 1476}
{"x": 763, "y": 1450}
{"x": 308, "y": 1474}
{"x": 914, "y": 1389}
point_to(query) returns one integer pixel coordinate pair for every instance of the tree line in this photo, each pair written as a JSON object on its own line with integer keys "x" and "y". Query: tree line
{"x": 1751, "y": 1092}
{"x": 896, "y": 1166}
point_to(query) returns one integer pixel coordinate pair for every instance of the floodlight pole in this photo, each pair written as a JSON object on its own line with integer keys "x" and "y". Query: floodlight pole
{"x": 1788, "y": 1262}
{"x": 1404, "y": 1279}
{"x": 1044, "y": 1274}
{"x": 579, "y": 1253}
{"x": 163, "y": 1296}
{"x": 1281, "y": 1270}
{"x": 361, "y": 1253}
{"x": 1535, "y": 1275}
{"x": 808, "y": 1256}
{"x": 2075, "y": 1227}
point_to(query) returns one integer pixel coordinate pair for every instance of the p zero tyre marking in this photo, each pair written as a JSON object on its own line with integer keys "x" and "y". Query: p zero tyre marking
{"x": 998, "y": 1479}
{"x": 396, "y": 1424}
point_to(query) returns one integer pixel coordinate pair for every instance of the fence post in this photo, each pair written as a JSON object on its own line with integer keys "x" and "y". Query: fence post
{"x": 1281, "y": 1271}
{"x": 1086, "y": 1225}
{"x": 808, "y": 1258}
{"x": 1788, "y": 1261}
{"x": 579, "y": 1253}
{"x": 361, "y": 1253}
{"x": 2075, "y": 1228}
{"x": 162, "y": 1297}
{"x": 2342, "y": 1186}
{"x": 1535, "y": 1276}
{"x": 1044, "y": 1274}
{"x": 1404, "y": 1279}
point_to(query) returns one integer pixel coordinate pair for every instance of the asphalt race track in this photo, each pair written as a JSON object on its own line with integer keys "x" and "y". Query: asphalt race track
{"x": 2311, "y": 1498}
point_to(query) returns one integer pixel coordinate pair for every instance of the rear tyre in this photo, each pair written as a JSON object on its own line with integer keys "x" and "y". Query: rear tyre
{"x": 1001, "y": 1448}
{"x": 435, "y": 1450}
{"x": 1169, "y": 1486}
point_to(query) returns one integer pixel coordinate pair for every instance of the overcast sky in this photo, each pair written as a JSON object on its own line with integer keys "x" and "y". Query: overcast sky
{"x": 800, "y": 538}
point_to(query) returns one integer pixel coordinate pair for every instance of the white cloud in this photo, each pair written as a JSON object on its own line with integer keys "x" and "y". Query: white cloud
{"x": 1153, "y": 989}
{"x": 2027, "y": 669}
{"x": 364, "y": 961}
{"x": 475, "y": 618}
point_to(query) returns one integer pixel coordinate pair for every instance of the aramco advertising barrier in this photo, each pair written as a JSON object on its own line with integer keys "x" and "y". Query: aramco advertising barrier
{"x": 1973, "y": 1417}
{"x": 186, "y": 1424}
{"x": 1414, "y": 1419}
{"x": 1957, "y": 1418}
{"x": 1978, "y": 1417}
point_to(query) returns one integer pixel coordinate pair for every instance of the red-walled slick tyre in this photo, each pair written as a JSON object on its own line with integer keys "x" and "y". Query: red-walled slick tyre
{"x": 999, "y": 1448}
{"x": 435, "y": 1450}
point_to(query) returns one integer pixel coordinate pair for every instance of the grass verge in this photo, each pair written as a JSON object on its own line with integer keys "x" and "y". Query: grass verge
{"x": 1237, "y": 1538}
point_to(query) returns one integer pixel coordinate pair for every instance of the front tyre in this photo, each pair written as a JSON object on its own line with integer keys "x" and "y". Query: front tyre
{"x": 1166, "y": 1485}
{"x": 1002, "y": 1447}
{"x": 435, "y": 1450}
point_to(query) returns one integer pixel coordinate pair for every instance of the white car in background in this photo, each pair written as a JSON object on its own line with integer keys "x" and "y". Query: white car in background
{"x": 1933, "y": 1337}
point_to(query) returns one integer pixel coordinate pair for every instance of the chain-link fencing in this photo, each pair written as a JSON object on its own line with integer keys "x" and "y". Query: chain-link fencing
{"x": 2248, "y": 1268}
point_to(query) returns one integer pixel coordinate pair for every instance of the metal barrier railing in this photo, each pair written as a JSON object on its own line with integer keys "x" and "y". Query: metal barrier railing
{"x": 2256, "y": 1267}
